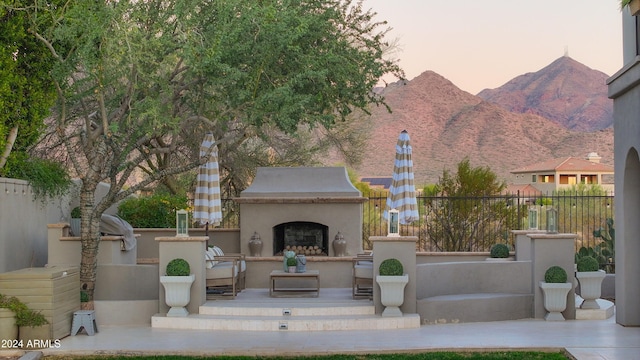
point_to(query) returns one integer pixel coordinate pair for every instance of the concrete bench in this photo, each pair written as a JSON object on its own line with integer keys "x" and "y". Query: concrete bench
{"x": 474, "y": 291}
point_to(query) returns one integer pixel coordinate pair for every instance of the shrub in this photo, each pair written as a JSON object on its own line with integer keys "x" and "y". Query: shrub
{"x": 178, "y": 267}
{"x": 156, "y": 211}
{"x": 587, "y": 263}
{"x": 23, "y": 315}
{"x": 292, "y": 262}
{"x": 75, "y": 212}
{"x": 555, "y": 274}
{"x": 500, "y": 251}
{"x": 391, "y": 267}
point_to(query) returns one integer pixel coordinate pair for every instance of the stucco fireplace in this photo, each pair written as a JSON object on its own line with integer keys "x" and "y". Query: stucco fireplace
{"x": 303, "y": 209}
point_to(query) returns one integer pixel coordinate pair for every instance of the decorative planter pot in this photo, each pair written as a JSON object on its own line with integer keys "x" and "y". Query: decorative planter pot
{"x": 36, "y": 337}
{"x": 590, "y": 287}
{"x": 555, "y": 299}
{"x": 177, "y": 291}
{"x": 292, "y": 269}
{"x": 392, "y": 293}
{"x": 339, "y": 245}
{"x": 255, "y": 245}
{"x": 8, "y": 327}
{"x": 74, "y": 223}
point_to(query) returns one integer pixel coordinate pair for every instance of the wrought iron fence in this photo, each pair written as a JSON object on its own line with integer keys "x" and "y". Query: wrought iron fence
{"x": 476, "y": 223}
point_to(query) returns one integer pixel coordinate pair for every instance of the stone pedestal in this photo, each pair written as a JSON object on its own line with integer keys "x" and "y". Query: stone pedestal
{"x": 402, "y": 248}
{"x": 192, "y": 249}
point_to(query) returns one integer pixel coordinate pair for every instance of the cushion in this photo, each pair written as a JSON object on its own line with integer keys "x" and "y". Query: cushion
{"x": 363, "y": 271}
{"x": 217, "y": 251}
{"x": 222, "y": 270}
{"x": 210, "y": 258}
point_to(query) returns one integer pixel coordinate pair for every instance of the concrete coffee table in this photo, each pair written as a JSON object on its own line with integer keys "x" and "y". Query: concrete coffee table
{"x": 282, "y": 276}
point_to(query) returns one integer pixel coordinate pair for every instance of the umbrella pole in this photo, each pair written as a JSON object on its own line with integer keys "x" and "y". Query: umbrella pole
{"x": 206, "y": 229}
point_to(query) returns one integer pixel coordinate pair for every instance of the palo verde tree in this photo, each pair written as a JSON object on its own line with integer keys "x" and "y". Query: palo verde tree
{"x": 139, "y": 80}
{"x": 465, "y": 215}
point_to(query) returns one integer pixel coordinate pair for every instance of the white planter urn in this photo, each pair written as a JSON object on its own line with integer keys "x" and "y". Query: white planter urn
{"x": 555, "y": 299}
{"x": 177, "y": 291}
{"x": 590, "y": 287}
{"x": 392, "y": 293}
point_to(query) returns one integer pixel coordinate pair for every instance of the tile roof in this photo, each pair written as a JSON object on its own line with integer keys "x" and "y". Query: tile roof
{"x": 565, "y": 164}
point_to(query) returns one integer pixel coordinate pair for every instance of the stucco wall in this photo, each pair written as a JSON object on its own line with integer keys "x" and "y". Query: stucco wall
{"x": 23, "y": 225}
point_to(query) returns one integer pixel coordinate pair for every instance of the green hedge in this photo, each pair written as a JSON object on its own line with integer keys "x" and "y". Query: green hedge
{"x": 155, "y": 211}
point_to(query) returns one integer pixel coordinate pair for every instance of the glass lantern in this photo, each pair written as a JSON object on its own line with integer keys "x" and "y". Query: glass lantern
{"x": 182, "y": 223}
{"x": 393, "y": 226}
{"x": 552, "y": 220}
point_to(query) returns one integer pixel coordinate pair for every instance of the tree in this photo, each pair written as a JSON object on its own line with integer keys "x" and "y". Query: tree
{"x": 466, "y": 215}
{"x": 139, "y": 83}
{"x": 26, "y": 92}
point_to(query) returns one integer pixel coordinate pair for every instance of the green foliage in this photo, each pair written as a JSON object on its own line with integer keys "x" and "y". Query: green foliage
{"x": 604, "y": 251}
{"x": 84, "y": 297}
{"x": 587, "y": 263}
{"x": 391, "y": 267}
{"x": 155, "y": 211}
{"x": 23, "y": 315}
{"x": 75, "y": 212}
{"x": 555, "y": 274}
{"x": 500, "y": 251}
{"x": 178, "y": 267}
{"x": 466, "y": 211}
{"x": 292, "y": 261}
{"x": 140, "y": 82}
{"x": 47, "y": 178}
{"x": 26, "y": 90}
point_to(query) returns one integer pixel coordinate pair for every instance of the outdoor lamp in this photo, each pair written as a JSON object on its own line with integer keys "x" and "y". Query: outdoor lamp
{"x": 182, "y": 223}
{"x": 552, "y": 220}
{"x": 393, "y": 226}
{"x": 533, "y": 218}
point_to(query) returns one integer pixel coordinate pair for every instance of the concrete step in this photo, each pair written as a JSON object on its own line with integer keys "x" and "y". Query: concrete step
{"x": 287, "y": 309}
{"x": 286, "y": 323}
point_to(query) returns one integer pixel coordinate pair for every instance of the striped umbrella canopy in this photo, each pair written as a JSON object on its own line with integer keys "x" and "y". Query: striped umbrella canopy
{"x": 208, "y": 208}
{"x": 402, "y": 193}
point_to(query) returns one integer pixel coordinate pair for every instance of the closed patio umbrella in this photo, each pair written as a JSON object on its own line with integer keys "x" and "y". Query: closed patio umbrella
{"x": 402, "y": 193}
{"x": 207, "y": 205}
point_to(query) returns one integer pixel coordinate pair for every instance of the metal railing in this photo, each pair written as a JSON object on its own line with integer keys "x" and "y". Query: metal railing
{"x": 476, "y": 223}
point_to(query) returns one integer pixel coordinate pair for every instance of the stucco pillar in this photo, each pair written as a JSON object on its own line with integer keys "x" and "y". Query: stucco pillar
{"x": 192, "y": 249}
{"x": 523, "y": 243}
{"x": 548, "y": 250}
{"x": 402, "y": 248}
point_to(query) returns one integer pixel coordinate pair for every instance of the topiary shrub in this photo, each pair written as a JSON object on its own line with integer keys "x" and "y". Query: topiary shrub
{"x": 391, "y": 267}
{"x": 555, "y": 274}
{"x": 178, "y": 267}
{"x": 292, "y": 261}
{"x": 500, "y": 251}
{"x": 587, "y": 263}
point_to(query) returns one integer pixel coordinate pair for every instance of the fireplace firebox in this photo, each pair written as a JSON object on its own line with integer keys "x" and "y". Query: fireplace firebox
{"x": 302, "y": 237}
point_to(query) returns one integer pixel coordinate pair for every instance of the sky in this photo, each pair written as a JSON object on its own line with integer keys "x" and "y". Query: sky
{"x": 479, "y": 44}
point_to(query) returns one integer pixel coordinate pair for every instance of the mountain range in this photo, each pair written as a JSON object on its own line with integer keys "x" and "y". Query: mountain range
{"x": 561, "y": 110}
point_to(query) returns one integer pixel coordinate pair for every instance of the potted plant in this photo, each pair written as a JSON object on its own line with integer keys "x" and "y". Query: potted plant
{"x": 555, "y": 289}
{"x": 34, "y": 329}
{"x": 19, "y": 323}
{"x": 292, "y": 263}
{"x": 634, "y": 6}
{"x": 177, "y": 286}
{"x": 499, "y": 252}
{"x": 75, "y": 221}
{"x": 8, "y": 327}
{"x": 392, "y": 282}
{"x": 590, "y": 278}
